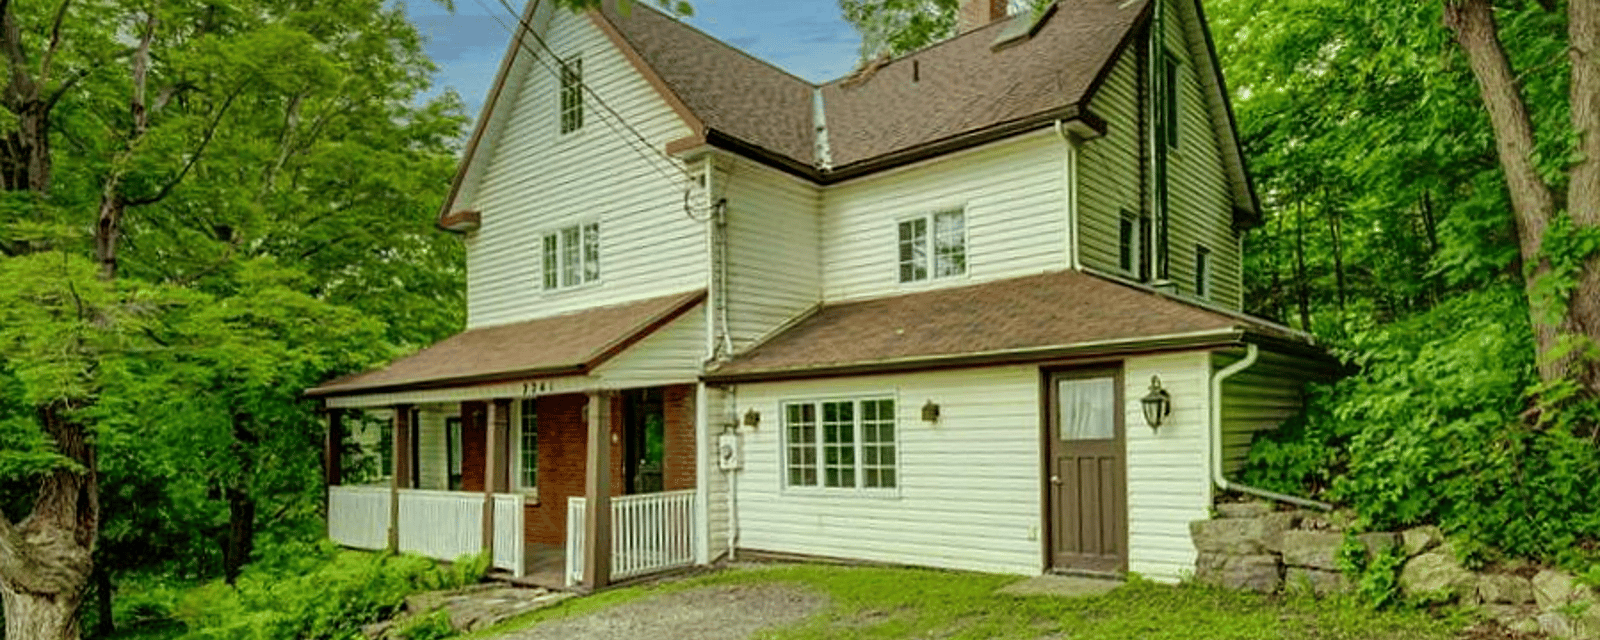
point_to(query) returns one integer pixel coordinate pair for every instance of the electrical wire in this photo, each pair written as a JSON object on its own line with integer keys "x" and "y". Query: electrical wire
{"x": 632, "y": 137}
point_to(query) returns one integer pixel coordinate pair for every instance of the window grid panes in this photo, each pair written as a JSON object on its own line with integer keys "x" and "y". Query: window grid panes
{"x": 877, "y": 444}
{"x": 571, "y": 256}
{"x": 844, "y": 444}
{"x": 949, "y": 244}
{"x": 838, "y": 444}
{"x": 571, "y": 94}
{"x": 939, "y": 252}
{"x": 914, "y": 250}
{"x": 801, "y": 423}
{"x": 528, "y": 447}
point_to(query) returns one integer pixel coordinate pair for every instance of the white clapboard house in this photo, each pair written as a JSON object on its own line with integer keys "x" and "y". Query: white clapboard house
{"x": 974, "y": 307}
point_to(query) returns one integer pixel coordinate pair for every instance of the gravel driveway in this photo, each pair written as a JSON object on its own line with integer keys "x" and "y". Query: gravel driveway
{"x": 732, "y": 612}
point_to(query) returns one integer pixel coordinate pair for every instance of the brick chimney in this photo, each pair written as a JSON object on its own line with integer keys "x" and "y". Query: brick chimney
{"x": 977, "y": 13}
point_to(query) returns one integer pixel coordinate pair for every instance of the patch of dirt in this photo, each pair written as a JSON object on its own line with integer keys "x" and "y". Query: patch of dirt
{"x": 712, "y": 613}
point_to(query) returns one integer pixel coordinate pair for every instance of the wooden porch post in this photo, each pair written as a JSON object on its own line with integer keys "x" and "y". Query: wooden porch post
{"x": 597, "y": 523}
{"x": 495, "y": 420}
{"x": 399, "y": 469}
{"x": 332, "y": 473}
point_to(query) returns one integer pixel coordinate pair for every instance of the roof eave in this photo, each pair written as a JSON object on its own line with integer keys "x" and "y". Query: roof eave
{"x": 1228, "y": 336}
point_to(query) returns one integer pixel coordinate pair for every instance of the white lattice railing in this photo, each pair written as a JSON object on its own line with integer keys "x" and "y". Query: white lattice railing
{"x": 358, "y": 516}
{"x": 508, "y": 533}
{"x": 649, "y": 533}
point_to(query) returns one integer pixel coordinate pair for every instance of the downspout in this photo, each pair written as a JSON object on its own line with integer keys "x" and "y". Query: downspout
{"x": 1252, "y": 353}
{"x": 1070, "y": 194}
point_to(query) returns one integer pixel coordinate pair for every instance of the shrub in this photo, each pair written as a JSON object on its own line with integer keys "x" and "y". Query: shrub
{"x": 330, "y": 594}
{"x": 1435, "y": 428}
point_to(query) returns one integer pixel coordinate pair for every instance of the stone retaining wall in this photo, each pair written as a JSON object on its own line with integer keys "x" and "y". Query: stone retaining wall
{"x": 1253, "y": 546}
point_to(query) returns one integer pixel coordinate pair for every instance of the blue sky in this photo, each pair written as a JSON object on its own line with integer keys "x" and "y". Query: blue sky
{"x": 808, "y": 38}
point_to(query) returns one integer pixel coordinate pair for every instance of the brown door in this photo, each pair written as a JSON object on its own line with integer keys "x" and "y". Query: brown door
{"x": 1087, "y": 485}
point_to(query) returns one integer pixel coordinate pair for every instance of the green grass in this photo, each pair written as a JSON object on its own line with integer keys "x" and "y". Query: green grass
{"x": 916, "y": 603}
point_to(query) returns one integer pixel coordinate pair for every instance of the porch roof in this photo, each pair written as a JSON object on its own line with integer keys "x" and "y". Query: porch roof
{"x": 1056, "y": 315}
{"x": 570, "y": 344}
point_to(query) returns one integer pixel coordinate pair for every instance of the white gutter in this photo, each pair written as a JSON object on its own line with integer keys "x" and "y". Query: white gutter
{"x": 1070, "y": 194}
{"x": 1252, "y": 353}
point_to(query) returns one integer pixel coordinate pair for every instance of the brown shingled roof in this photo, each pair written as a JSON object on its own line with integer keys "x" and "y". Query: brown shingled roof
{"x": 963, "y": 86}
{"x": 1049, "y": 315}
{"x": 574, "y": 343}
{"x": 727, "y": 89}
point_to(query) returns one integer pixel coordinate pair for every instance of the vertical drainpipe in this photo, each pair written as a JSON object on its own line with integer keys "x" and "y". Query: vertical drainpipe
{"x": 1252, "y": 353}
{"x": 1069, "y": 190}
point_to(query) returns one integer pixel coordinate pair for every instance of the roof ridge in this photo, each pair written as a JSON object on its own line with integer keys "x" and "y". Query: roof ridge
{"x": 923, "y": 49}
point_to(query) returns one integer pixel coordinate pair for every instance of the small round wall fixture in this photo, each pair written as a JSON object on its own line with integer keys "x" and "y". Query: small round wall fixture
{"x": 1157, "y": 404}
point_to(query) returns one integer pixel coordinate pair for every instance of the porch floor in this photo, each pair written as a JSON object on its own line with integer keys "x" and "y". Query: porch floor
{"x": 544, "y": 565}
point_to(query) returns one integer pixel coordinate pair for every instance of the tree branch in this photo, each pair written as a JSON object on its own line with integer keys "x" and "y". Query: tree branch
{"x": 194, "y": 158}
{"x": 55, "y": 41}
{"x": 61, "y": 91}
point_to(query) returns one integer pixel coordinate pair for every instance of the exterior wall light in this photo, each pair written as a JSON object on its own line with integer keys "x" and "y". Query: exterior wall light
{"x": 930, "y": 412}
{"x": 1157, "y": 404}
{"x": 752, "y": 418}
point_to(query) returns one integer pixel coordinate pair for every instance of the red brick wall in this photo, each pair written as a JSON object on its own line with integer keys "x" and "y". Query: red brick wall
{"x": 563, "y": 454}
{"x": 680, "y": 455}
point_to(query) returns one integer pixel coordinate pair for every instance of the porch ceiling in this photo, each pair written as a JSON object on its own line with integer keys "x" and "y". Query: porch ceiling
{"x": 571, "y": 344}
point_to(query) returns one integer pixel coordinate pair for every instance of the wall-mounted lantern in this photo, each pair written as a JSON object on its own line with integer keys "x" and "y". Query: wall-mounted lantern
{"x": 930, "y": 412}
{"x": 752, "y": 418}
{"x": 1157, "y": 404}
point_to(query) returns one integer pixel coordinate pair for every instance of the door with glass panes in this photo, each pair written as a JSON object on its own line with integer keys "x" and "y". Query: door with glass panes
{"x": 1087, "y": 477}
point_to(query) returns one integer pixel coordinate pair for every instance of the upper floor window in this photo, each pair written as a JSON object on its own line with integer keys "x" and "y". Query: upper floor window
{"x": 571, "y": 256}
{"x": 1133, "y": 245}
{"x": 843, "y": 444}
{"x": 571, "y": 94}
{"x": 1202, "y": 271}
{"x": 527, "y": 441}
{"x": 933, "y": 246}
{"x": 1170, "y": 79}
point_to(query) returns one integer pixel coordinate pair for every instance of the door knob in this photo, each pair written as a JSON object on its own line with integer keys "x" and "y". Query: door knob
{"x": 1055, "y": 479}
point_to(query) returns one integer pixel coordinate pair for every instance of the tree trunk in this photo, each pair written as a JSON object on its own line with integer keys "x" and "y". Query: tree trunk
{"x": 241, "y": 537}
{"x": 1334, "y": 236}
{"x": 1304, "y": 288}
{"x": 46, "y": 617}
{"x": 1583, "y": 192}
{"x": 1475, "y": 30}
{"x": 103, "y": 588}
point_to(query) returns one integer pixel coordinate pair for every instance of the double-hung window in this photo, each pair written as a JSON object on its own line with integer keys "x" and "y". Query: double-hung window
{"x": 933, "y": 246}
{"x": 571, "y": 94}
{"x": 571, "y": 256}
{"x": 840, "y": 444}
{"x": 527, "y": 439}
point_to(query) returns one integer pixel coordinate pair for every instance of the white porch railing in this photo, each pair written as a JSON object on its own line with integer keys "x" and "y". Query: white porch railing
{"x": 649, "y": 533}
{"x": 508, "y": 533}
{"x": 443, "y": 525}
{"x": 358, "y": 516}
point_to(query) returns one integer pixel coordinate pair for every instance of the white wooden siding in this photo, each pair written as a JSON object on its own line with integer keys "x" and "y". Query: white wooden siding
{"x": 669, "y": 355}
{"x": 1168, "y": 482}
{"x": 1015, "y": 217}
{"x": 968, "y": 495}
{"x": 1108, "y": 168}
{"x": 1200, "y": 198}
{"x": 774, "y": 261}
{"x": 432, "y": 455}
{"x": 1258, "y": 399}
{"x": 538, "y": 180}
{"x": 718, "y": 406}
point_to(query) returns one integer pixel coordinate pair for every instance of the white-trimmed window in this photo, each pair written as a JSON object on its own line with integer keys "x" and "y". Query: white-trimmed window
{"x": 526, "y": 458}
{"x": 571, "y": 256}
{"x": 1202, "y": 271}
{"x": 571, "y": 94}
{"x": 932, "y": 246}
{"x": 840, "y": 444}
{"x": 1171, "y": 88}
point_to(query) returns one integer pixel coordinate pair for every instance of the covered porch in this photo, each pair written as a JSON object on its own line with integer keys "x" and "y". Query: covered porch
{"x": 512, "y": 467}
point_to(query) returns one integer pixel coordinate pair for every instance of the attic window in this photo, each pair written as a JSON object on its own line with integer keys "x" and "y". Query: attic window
{"x": 571, "y": 94}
